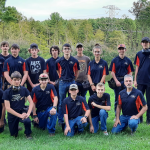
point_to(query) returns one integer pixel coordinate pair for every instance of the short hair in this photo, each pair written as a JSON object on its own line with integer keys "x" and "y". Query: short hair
{"x": 4, "y": 43}
{"x": 54, "y": 47}
{"x": 15, "y": 46}
{"x": 66, "y": 45}
{"x": 16, "y": 74}
{"x": 97, "y": 46}
{"x": 100, "y": 85}
{"x": 127, "y": 76}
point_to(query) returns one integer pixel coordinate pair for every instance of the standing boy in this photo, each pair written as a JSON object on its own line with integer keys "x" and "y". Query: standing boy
{"x": 36, "y": 66}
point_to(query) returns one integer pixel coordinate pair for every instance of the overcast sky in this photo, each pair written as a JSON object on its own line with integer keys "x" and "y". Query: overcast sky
{"x": 70, "y": 9}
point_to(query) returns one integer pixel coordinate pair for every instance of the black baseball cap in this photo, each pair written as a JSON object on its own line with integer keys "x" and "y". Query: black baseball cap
{"x": 15, "y": 46}
{"x": 79, "y": 44}
{"x": 145, "y": 39}
{"x": 33, "y": 45}
{"x": 67, "y": 45}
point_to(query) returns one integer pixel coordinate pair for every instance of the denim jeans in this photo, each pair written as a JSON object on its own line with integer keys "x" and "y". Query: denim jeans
{"x": 101, "y": 117}
{"x": 126, "y": 121}
{"x": 82, "y": 92}
{"x": 45, "y": 121}
{"x": 76, "y": 122}
{"x": 63, "y": 89}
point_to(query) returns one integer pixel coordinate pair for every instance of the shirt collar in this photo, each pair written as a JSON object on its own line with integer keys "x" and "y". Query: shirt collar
{"x": 77, "y": 98}
{"x": 98, "y": 62}
{"x": 63, "y": 58}
{"x": 15, "y": 57}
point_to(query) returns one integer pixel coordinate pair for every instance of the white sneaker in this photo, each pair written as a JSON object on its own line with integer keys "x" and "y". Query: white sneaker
{"x": 105, "y": 132}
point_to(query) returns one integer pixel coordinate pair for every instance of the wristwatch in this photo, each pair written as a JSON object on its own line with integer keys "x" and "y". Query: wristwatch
{"x": 55, "y": 107}
{"x": 86, "y": 117}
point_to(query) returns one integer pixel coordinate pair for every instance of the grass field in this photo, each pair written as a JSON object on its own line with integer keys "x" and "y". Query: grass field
{"x": 42, "y": 140}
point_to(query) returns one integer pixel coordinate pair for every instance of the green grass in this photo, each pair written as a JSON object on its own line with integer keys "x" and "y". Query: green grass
{"x": 42, "y": 140}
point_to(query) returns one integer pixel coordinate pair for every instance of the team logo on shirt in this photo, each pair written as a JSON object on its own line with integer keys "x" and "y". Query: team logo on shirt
{"x": 133, "y": 96}
{"x": 100, "y": 66}
{"x": 20, "y": 62}
{"x": 126, "y": 63}
{"x": 70, "y": 62}
{"x": 78, "y": 103}
{"x": 35, "y": 67}
{"x": 47, "y": 92}
{"x": 82, "y": 66}
{"x": 16, "y": 97}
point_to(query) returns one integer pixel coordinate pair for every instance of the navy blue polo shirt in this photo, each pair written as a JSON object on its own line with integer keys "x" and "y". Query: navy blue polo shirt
{"x": 121, "y": 67}
{"x": 74, "y": 108}
{"x": 15, "y": 64}
{"x": 67, "y": 68}
{"x": 16, "y": 98}
{"x": 131, "y": 104}
{"x": 2, "y": 60}
{"x": 43, "y": 99}
{"x": 36, "y": 66}
{"x": 5, "y": 57}
{"x": 103, "y": 101}
{"x": 97, "y": 70}
{"x": 51, "y": 69}
{"x": 143, "y": 62}
{"x": 1, "y": 101}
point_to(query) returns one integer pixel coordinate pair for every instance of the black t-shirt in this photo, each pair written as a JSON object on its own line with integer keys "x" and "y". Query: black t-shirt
{"x": 103, "y": 101}
{"x": 16, "y": 98}
{"x": 36, "y": 67}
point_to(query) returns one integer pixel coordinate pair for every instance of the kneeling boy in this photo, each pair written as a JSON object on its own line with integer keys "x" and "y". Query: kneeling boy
{"x": 45, "y": 100}
{"x": 99, "y": 103}
{"x": 14, "y": 98}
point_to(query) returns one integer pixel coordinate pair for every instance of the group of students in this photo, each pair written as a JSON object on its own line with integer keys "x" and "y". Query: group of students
{"x": 49, "y": 82}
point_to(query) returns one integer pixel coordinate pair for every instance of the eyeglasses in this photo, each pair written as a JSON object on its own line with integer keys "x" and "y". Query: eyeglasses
{"x": 66, "y": 48}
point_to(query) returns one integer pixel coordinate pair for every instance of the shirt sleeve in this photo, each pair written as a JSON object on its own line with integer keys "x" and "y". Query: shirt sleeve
{"x": 105, "y": 70}
{"x": 43, "y": 65}
{"x": 108, "y": 103}
{"x": 25, "y": 66}
{"x": 85, "y": 106}
{"x": 89, "y": 69}
{"x": 89, "y": 103}
{"x": 119, "y": 100}
{"x": 26, "y": 92}
{"x": 6, "y": 96}
{"x": 137, "y": 60}
{"x": 130, "y": 67}
{"x": 6, "y": 66}
{"x": 111, "y": 68}
{"x": 33, "y": 96}
{"x": 47, "y": 67}
{"x": 64, "y": 107}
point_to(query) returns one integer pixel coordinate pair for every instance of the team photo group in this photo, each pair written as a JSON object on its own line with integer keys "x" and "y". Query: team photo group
{"x": 56, "y": 90}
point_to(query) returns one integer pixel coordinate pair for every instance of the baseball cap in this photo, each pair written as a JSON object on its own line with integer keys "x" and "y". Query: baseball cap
{"x": 67, "y": 45}
{"x": 79, "y": 44}
{"x": 73, "y": 86}
{"x": 33, "y": 45}
{"x": 43, "y": 76}
{"x": 15, "y": 46}
{"x": 121, "y": 45}
{"x": 145, "y": 39}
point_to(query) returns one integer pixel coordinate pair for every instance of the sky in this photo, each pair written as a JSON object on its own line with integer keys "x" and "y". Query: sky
{"x": 70, "y": 9}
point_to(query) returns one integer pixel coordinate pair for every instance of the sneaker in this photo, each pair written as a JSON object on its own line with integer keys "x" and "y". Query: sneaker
{"x": 29, "y": 137}
{"x": 105, "y": 132}
{"x": 19, "y": 128}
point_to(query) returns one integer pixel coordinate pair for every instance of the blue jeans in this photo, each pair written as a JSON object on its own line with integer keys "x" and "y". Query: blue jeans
{"x": 76, "y": 122}
{"x": 101, "y": 117}
{"x": 63, "y": 89}
{"x": 44, "y": 120}
{"x": 126, "y": 121}
{"x": 82, "y": 92}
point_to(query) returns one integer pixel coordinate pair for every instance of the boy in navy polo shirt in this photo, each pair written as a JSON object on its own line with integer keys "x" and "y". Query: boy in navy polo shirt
{"x": 45, "y": 100}
{"x": 14, "y": 98}
{"x": 97, "y": 69}
{"x": 133, "y": 105}
{"x": 73, "y": 107}
{"x": 51, "y": 66}
{"x": 5, "y": 54}
{"x": 67, "y": 68}
{"x": 142, "y": 73}
{"x": 15, "y": 63}
{"x": 2, "y": 112}
{"x": 36, "y": 66}
{"x": 99, "y": 103}
{"x": 120, "y": 66}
